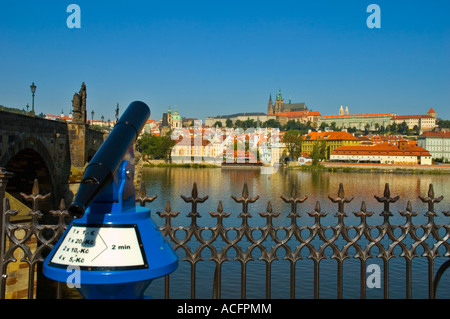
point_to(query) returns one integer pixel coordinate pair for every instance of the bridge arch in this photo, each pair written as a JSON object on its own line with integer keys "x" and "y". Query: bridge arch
{"x": 29, "y": 159}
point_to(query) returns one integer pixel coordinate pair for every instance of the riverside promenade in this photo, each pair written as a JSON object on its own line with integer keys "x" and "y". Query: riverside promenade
{"x": 389, "y": 168}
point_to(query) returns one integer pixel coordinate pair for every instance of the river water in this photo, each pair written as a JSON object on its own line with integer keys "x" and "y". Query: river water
{"x": 220, "y": 184}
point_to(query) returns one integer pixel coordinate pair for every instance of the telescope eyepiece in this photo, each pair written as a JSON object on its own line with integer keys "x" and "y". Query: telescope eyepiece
{"x": 76, "y": 210}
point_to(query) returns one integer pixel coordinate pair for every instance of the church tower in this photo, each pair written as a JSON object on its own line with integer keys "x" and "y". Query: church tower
{"x": 270, "y": 106}
{"x": 176, "y": 119}
{"x": 341, "y": 111}
{"x": 432, "y": 112}
{"x": 169, "y": 117}
{"x": 279, "y": 103}
{"x": 346, "y": 110}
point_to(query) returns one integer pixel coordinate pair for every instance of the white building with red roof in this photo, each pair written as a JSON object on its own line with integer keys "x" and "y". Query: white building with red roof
{"x": 345, "y": 120}
{"x": 374, "y": 121}
{"x": 426, "y": 122}
{"x": 385, "y": 153}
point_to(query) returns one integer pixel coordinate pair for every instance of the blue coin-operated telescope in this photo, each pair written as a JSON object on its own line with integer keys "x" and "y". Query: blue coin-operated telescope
{"x": 112, "y": 244}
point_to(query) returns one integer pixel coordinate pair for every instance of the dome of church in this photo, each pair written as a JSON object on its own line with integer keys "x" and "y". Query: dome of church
{"x": 175, "y": 115}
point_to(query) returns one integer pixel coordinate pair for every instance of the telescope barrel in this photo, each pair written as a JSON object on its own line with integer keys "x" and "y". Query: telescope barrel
{"x": 101, "y": 169}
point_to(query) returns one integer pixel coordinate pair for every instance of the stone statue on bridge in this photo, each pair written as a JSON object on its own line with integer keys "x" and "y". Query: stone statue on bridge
{"x": 79, "y": 105}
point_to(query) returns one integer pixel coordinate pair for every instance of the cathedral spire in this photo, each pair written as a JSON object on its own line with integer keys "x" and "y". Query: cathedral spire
{"x": 270, "y": 106}
{"x": 279, "y": 97}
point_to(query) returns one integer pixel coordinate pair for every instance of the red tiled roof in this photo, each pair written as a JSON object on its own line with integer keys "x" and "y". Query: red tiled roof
{"x": 404, "y": 117}
{"x": 436, "y": 134}
{"x": 299, "y": 113}
{"x": 358, "y": 115}
{"x": 65, "y": 117}
{"x": 328, "y": 136}
{"x": 381, "y": 149}
{"x": 386, "y": 138}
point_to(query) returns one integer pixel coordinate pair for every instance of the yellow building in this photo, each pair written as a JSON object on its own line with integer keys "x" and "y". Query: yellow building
{"x": 332, "y": 140}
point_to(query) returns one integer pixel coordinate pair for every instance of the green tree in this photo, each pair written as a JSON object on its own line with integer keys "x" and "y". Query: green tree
{"x": 352, "y": 129}
{"x": 323, "y": 125}
{"x": 294, "y": 125}
{"x": 319, "y": 152}
{"x": 333, "y": 126}
{"x": 249, "y": 123}
{"x": 272, "y": 123}
{"x": 293, "y": 141}
{"x": 218, "y": 124}
{"x": 403, "y": 128}
{"x": 308, "y": 126}
{"x": 238, "y": 123}
{"x": 393, "y": 128}
{"x": 229, "y": 123}
{"x": 377, "y": 127}
{"x": 443, "y": 123}
{"x": 156, "y": 147}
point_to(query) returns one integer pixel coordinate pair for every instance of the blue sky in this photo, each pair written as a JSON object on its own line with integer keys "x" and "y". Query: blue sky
{"x": 221, "y": 57}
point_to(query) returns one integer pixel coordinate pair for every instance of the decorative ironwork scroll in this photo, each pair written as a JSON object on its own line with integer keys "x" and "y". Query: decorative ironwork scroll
{"x": 295, "y": 242}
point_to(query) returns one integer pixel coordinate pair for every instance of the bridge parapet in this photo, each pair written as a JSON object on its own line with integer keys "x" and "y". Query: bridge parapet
{"x": 33, "y": 147}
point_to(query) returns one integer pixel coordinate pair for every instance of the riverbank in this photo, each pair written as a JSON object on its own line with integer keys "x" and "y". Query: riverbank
{"x": 325, "y": 166}
{"x": 189, "y": 165}
{"x": 376, "y": 168}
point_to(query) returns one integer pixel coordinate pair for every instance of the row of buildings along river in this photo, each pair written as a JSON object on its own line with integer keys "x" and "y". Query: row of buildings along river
{"x": 219, "y": 141}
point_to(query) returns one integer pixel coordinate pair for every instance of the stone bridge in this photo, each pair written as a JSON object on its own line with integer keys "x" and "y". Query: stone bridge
{"x": 36, "y": 148}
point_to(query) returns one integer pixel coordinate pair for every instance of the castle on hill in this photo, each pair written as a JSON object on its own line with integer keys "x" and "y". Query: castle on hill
{"x": 278, "y": 111}
{"x": 281, "y": 107}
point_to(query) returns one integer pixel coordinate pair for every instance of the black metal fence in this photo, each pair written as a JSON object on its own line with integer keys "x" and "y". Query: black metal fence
{"x": 345, "y": 241}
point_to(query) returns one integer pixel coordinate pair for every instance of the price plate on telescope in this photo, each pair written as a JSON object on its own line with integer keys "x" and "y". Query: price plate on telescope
{"x": 101, "y": 247}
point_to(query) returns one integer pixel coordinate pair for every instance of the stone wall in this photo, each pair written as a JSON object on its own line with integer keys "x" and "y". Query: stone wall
{"x": 77, "y": 137}
{"x": 55, "y": 147}
{"x": 47, "y": 144}
{"x": 94, "y": 140}
{"x": 84, "y": 142}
